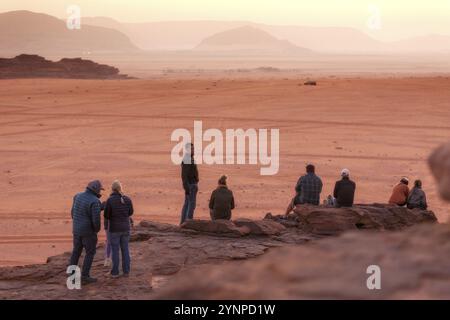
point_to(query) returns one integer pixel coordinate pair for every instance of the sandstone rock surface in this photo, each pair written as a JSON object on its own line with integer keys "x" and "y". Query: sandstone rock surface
{"x": 164, "y": 255}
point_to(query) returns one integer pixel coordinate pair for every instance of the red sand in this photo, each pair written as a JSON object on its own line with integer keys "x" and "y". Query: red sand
{"x": 56, "y": 135}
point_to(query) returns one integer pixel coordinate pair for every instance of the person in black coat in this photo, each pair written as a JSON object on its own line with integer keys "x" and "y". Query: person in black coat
{"x": 118, "y": 210}
{"x": 344, "y": 190}
{"x": 189, "y": 178}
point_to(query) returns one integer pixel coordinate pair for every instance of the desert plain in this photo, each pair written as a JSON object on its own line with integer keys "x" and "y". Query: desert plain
{"x": 56, "y": 135}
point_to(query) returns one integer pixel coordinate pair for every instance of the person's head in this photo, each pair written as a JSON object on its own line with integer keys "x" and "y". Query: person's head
{"x": 223, "y": 181}
{"x": 96, "y": 187}
{"x": 310, "y": 168}
{"x": 116, "y": 186}
{"x": 345, "y": 173}
{"x": 404, "y": 180}
{"x": 418, "y": 184}
{"x": 189, "y": 148}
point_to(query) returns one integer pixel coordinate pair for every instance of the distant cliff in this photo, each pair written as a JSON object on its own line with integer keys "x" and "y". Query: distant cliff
{"x": 34, "y": 66}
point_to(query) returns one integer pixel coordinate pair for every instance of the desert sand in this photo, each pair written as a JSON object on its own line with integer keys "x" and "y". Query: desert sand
{"x": 56, "y": 135}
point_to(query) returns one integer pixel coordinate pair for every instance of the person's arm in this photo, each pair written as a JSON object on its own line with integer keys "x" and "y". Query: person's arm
{"x": 425, "y": 205}
{"x": 298, "y": 187}
{"x": 130, "y": 213}
{"x": 96, "y": 209}
{"x": 184, "y": 177}
{"x": 232, "y": 201}
{"x": 73, "y": 206}
{"x": 336, "y": 189}
{"x": 107, "y": 212}
{"x": 211, "y": 200}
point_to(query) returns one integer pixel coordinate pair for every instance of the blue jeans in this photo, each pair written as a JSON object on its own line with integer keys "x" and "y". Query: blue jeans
{"x": 119, "y": 240}
{"x": 190, "y": 201}
{"x": 89, "y": 243}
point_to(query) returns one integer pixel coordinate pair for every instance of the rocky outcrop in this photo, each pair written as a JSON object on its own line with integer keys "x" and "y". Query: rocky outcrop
{"x": 237, "y": 228}
{"x": 413, "y": 264}
{"x": 322, "y": 220}
{"x": 34, "y": 66}
{"x": 439, "y": 162}
{"x": 160, "y": 251}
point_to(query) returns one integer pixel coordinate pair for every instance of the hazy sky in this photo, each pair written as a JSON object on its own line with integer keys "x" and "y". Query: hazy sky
{"x": 397, "y": 18}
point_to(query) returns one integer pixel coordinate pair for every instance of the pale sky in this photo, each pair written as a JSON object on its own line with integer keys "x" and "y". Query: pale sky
{"x": 398, "y": 18}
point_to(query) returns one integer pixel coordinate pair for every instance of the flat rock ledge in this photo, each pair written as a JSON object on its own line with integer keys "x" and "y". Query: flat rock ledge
{"x": 160, "y": 251}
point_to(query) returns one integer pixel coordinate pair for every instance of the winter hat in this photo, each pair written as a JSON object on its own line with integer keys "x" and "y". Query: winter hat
{"x": 95, "y": 186}
{"x": 345, "y": 173}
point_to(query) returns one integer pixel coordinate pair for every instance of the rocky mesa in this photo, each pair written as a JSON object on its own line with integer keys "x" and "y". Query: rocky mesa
{"x": 34, "y": 66}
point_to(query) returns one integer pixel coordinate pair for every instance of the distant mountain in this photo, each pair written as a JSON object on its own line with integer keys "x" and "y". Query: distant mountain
{"x": 185, "y": 35}
{"x": 250, "y": 40}
{"x": 37, "y": 33}
{"x": 433, "y": 43}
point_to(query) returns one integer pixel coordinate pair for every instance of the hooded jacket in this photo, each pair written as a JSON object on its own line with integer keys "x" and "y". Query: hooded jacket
{"x": 86, "y": 209}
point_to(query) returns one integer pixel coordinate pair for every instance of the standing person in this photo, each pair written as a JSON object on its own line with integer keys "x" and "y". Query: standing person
{"x": 85, "y": 213}
{"x": 222, "y": 201}
{"x": 417, "y": 197}
{"x": 189, "y": 177}
{"x": 308, "y": 189}
{"x": 118, "y": 210}
{"x": 400, "y": 193}
{"x": 344, "y": 190}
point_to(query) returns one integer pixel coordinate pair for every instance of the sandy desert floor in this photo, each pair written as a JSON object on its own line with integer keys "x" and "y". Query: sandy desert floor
{"x": 56, "y": 135}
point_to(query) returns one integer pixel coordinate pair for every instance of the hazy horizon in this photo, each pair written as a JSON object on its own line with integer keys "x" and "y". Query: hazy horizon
{"x": 383, "y": 20}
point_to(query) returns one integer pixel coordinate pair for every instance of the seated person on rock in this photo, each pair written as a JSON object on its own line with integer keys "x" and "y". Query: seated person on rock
{"x": 400, "y": 193}
{"x": 344, "y": 190}
{"x": 417, "y": 197}
{"x": 308, "y": 189}
{"x": 222, "y": 201}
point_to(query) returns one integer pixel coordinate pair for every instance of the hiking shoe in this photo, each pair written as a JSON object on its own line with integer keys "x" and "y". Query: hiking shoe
{"x": 87, "y": 280}
{"x": 126, "y": 275}
{"x": 112, "y": 276}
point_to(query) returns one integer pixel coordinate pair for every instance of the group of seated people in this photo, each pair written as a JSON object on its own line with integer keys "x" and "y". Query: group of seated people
{"x": 309, "y": 188}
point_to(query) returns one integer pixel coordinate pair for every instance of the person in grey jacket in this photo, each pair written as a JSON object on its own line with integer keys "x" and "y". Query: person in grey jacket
{"x": 417, "y": 197}
{"x": 86, "y": 211}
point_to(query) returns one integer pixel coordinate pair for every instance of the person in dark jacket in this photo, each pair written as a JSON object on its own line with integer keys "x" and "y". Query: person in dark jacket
{"x": 222, "y": 201}
{"x": 118, "y": 210}
{"x": 85, "y": 213}
{"x": 189, "y": 177}
{"x": 344, "y": 190}
{"x": 307, "y": 190}
{"x": 417, "y": 197}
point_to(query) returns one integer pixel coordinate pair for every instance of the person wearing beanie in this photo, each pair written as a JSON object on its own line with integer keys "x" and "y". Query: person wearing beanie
{"x": 417, "y": 197}
{"x": 400, "y": 193}
{"x": 86, "y": 209}
{"x": 222, "y": 201}
{"x": 118, "y": 210}
{"x": 344, "y": 190}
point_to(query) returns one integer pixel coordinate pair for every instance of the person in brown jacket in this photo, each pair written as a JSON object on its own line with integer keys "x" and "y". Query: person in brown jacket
{"x": 400, "y": 193}
{"x": 222, "y": 201}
